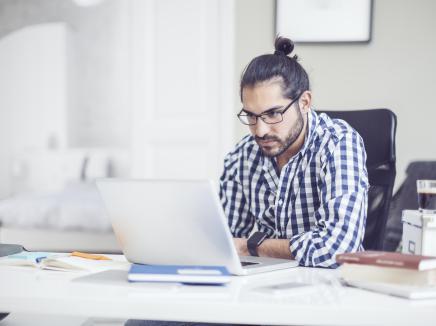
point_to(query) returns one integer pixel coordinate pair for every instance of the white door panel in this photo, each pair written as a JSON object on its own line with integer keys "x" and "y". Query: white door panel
{"x": 181, "y": 99}
{"x": 175, "y": 161}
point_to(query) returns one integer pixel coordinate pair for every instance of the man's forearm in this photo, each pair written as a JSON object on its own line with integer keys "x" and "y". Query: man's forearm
{"x": 277, "y": 248}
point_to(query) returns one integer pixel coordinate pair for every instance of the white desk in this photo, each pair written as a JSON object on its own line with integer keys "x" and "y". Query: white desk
{"x": 28, "y": 290}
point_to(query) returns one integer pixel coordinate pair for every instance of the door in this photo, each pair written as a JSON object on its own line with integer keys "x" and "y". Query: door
{"x": 182, "y": 87}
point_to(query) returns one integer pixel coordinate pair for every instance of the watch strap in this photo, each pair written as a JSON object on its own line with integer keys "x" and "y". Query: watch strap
{"x": 254, "y": 241}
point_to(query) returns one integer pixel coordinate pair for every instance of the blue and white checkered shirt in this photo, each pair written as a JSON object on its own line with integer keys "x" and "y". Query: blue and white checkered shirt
{"x": 318, "y": 200}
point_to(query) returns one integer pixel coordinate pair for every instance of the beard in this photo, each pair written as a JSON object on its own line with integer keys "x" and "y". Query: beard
{"x": 283, "y": 144}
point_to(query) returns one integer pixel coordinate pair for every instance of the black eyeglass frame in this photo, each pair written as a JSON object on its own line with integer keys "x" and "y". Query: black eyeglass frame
{"x": 262, "y": 115}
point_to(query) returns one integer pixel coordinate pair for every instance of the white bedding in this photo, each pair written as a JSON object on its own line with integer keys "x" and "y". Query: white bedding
{"x": 77, "y": 207}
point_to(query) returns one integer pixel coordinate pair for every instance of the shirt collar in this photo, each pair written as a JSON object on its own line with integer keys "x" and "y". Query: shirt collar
{"x": 312, "y": 122}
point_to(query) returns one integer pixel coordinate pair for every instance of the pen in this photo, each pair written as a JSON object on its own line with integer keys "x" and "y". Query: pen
{"x": 40, "y": 258}
{"x": 89, "y": 256}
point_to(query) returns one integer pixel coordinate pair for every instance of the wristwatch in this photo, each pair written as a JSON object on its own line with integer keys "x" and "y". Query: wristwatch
{"x": 254, "y": 241}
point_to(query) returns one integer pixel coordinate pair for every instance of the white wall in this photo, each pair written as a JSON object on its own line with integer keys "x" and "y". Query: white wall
{"x": 396, "y": 70}
{"x": 99, "y": 47}
{"x": 33, "y": 97}
{"x": 254, "y": 35}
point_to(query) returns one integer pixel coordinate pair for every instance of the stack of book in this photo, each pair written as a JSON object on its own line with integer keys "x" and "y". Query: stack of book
{"x": 410, "y": 276}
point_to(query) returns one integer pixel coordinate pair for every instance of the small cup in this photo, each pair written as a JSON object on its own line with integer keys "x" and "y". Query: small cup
{"x": 426, "y": 196}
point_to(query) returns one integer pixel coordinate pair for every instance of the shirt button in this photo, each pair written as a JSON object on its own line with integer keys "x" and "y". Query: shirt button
{"x": 280, "y": 202}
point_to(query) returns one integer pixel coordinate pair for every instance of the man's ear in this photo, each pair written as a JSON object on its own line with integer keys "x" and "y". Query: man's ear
{"x": 305, "y": 101}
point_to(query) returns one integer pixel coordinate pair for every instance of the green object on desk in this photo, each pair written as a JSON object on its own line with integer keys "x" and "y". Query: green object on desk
{"x": 34, "y": 257}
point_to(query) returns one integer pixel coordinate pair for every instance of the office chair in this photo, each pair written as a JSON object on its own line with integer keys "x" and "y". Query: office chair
{"x": 377, "y": 128}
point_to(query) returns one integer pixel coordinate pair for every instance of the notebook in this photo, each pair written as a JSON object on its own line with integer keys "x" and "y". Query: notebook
{"x": 176, "y": 273}
{"x": 176, "y": 222}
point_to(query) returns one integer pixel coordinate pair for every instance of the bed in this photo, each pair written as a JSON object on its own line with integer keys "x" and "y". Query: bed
{"x": 71, "y": 219}
{"x": 67, "y": 217}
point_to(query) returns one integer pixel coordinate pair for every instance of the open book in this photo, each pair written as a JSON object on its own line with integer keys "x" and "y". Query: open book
{"x": 61, "y": 262}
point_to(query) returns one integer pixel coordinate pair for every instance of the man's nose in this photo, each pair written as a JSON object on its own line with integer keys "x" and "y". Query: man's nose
{"x": 261, "y": 128}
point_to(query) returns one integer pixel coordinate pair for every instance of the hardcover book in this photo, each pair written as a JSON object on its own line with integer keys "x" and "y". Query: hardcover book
{"x": 388, "y": 270}
{"x": 388, "y": 259}
{"x": 392, "y": 275}
{"x": 178, "y": 273}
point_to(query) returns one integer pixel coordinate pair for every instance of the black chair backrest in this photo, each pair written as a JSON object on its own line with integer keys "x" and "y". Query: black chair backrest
{"x": 377, "y": 127}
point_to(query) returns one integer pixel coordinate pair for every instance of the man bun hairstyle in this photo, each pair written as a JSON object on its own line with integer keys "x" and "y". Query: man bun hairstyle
{"x": 292, "y": 76}
{"x": 284, "y": 46}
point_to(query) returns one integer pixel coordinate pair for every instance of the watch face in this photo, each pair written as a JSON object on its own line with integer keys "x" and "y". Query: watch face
{"x": 259, "y": 236}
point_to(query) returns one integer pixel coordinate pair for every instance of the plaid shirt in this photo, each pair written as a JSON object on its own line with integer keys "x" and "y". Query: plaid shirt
{"x": 318, "y": 200}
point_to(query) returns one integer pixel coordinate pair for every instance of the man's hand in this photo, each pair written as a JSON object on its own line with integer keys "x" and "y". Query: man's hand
{"x": 241, "y": 246}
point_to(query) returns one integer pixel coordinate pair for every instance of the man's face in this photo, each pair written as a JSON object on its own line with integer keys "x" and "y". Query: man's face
{"x": 273, "y": 139}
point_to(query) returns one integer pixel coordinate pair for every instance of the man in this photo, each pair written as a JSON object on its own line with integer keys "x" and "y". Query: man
{"x": 300, "y": 177}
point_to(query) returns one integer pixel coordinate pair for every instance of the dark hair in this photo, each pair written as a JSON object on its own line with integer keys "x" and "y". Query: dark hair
{"x": 293, "y": 78}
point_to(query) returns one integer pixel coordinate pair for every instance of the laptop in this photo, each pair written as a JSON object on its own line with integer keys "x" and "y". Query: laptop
{"x": 176, "y": 222}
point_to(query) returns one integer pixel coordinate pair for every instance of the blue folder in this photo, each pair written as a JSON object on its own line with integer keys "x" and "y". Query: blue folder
{"x": 179, "y": 273}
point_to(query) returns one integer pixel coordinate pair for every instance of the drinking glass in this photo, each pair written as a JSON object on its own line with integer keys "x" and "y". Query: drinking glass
{"x": 426, "y": 196}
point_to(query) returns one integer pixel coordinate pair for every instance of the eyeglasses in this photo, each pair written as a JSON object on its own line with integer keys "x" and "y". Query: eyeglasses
{"x": 269, "y": 117}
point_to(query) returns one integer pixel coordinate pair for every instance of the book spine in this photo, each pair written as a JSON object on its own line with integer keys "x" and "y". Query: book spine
{"x": 377, "y": 261}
